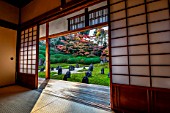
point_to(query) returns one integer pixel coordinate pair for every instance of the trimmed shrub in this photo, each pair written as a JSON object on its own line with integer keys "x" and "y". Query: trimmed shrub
{"x": 71, "y": 60}
{"x": 53, "y": 60}
{"x": 42, "y": 52}
{"x": 41, "y": 56}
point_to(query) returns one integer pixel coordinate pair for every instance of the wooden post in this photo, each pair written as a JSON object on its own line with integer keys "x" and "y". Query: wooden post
{"x": 47, "y": 52}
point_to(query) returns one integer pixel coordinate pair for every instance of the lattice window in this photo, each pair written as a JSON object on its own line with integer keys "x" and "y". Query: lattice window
{"x": 77, "y": 22}
{"x": 98, "y": 16}
{"x": 28, "y": 51}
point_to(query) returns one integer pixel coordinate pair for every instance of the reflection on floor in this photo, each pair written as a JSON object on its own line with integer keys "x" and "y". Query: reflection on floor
{"x": 88, "y": 94}
{"x": 17, "y": 99}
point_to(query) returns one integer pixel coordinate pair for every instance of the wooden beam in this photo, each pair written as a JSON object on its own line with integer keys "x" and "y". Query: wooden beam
{"x": 9, "y": 25}
{"x": 47, "y": 52}
{"x": 70, "y": 7}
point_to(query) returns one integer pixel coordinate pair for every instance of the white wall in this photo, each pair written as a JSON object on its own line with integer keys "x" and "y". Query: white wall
{"x": 7, "y": 50}
{"x": 8, "y": 12}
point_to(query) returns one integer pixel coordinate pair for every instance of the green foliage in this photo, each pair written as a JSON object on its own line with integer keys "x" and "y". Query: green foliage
{"x": 42, "y": 52}
{"x": 53, "y": 60}
{"x": 71, "y": 60}
{"x": 41, "y": 56}
{"x": 42, "y": 47}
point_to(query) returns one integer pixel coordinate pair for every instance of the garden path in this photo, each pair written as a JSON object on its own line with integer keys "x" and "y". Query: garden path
{"x": 88, "y": 94}
{"x": 65, "y": 70}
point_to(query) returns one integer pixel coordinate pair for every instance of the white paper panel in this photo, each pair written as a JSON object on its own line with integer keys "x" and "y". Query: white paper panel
{"x": 118, "y": 24}
{"x": 140, "y": 39}
{"x": 21, "y": 70}
{"x": 160, "y": 37}
{"x": 35, "y": 28}
{"x": 120, "y": 69}
{"x": 21, "y": 66}
{"x": 117, "y": 6}
{"x": 157, "y": 5}
{"x": 160, "y": 48}
{"x": 136, "y": 10}
{"x": 29, "y": 61}
{"x": 33, "y": 61}
{"x": 134, "y": 2}
{"x": 158, "y": 15}
{"x": 118, "y": 15}
{"x": 120, "y": 60}
{"x": 29, "y": 71}
{"x": 33, "y": 56}
{"x": 135, "y": 60}
{"x": 161, "y": 82}
{"x": 119, "y": 42}
{"x": 140, "y": 81}
{"x": 118, "y": 33}
{"x": 119, "y": 51}
{"x": 139, "y": 70}
{"x": 26, "y": 31}
{"x": 114, "y": 1}
{"x": 160, "y": 59}
{"x": 119, "y": 79}
{"x": 160, "y": 70}
{"x": 159, "y": 26}
{"x": 33, "y": 66}
{"x": 142, "y": 49}
{"x": 42, "y": 30}
{"x": 137, "y": 20}
{"x": 33, "y": 71}
{"x": 137, "y": 29}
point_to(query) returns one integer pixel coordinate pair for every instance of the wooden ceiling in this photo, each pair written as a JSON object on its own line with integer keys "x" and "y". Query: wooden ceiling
{"x": 18, "y": 3}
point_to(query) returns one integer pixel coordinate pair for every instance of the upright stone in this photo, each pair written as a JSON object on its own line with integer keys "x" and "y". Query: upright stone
{"x": 68, "y": 74}
{"x": 102, "y": 71}
{"x": 88, "y": 74}
{"x": 60, "y": 71}
{"x": 85, "y": 80}
{"x": 42, "y": 69}
{"x": 57, "y": 67}
{"x": 40, "y": 63}
{"x": 52, "y": 69}
{"x": 65, "y": 77}
{"x": 91, "y": 67}
{"x": 77, "y": 65}
{"x": 109, "y": 75}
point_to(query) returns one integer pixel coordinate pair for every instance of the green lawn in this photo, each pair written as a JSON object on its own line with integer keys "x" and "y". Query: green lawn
{"x": 97, "y": 78}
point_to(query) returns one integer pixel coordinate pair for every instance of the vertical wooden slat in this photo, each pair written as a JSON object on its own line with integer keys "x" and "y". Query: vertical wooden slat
{"x": 86, "y": 17}
{"x": 110, "y": 59}
{"x": 47, "y": 52}
{"x": 37, "y": 57}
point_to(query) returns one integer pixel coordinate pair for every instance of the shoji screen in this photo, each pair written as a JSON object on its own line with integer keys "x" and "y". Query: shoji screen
{"x": 28, "y": 57}
{"x": 140, "y": 42}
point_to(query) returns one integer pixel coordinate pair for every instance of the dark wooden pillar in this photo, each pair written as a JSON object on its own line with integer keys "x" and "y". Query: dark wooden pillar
{"x": 47, "y": 52}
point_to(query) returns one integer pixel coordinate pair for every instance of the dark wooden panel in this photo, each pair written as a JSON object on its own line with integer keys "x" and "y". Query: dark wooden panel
{"x": 138, "y": 99}
{"x": 133, "y": 99}
{"x": 26, "y": 80}
{"x": 162, "y": 101}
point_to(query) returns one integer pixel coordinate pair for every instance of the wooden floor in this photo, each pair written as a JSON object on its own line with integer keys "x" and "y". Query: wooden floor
{"x": 89, "y": 94}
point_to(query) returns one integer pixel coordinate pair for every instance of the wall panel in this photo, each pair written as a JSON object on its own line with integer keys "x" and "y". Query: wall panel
{"x": 7, "y": 50}
{"x": 140, "y": 54}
